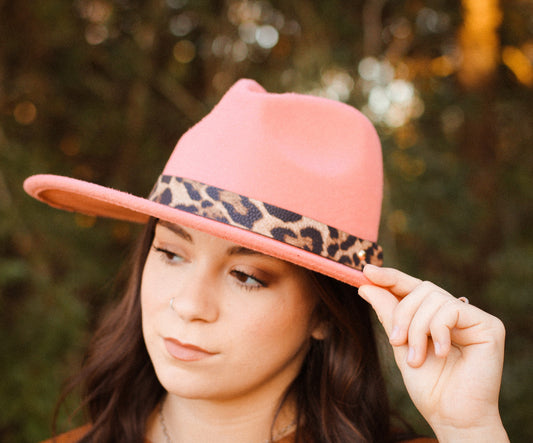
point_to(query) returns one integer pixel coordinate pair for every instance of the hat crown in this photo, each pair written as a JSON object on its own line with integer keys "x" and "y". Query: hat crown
{"x": 310, "y": 155}
{"x": 292, "y": 176}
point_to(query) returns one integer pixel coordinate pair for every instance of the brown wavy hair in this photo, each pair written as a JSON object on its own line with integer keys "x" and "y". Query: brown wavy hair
{"x": 340, "y": 392}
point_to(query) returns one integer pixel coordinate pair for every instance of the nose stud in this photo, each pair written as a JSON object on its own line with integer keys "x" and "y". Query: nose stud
{"x": 171, "y": 301}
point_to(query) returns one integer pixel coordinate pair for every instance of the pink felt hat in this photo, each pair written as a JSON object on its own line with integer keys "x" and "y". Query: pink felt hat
{"x": 293, "y": 176}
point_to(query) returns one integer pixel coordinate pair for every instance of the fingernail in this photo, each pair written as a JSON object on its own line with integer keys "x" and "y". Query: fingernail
{"x": 437, "y": 347}
{"x": 395, "y": 334}
{"x": 369, "y": 267}
{"x": 411, "y": 354}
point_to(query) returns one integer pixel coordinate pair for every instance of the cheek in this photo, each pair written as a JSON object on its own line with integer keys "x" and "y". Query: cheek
{"x": 152, "y": 283}
{"x": 282, "y": 327}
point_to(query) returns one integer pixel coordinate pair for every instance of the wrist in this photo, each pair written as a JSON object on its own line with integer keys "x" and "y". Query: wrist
{"x": 493, "y": 432}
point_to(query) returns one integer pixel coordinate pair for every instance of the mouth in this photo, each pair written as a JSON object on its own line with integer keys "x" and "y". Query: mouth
{"x": 184, "y": 351}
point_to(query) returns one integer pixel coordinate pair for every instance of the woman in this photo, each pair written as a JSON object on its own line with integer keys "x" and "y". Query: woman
{"x": 242, "y": 320}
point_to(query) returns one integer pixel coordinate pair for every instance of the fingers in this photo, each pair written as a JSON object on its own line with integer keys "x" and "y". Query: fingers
{"x": 415, "y": 314}
{"x": 446, "y": 318}
{"x": 432, "y": 323}
{"x": 404, "y": 321}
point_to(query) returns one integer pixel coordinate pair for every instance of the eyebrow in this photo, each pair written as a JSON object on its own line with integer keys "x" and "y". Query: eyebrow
{"x": 234, "y": 250}
{"x": 178, "y": 230}
{"x": 241, "y": 250}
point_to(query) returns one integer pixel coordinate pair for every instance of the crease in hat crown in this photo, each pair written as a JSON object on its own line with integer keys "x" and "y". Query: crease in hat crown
{"x": 305, "y": 155}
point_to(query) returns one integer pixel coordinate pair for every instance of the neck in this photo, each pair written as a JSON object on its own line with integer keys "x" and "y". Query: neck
{"x": 189, "y": 421}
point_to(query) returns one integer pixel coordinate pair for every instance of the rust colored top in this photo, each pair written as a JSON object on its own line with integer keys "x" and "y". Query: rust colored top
{"x": 74, "y": 435}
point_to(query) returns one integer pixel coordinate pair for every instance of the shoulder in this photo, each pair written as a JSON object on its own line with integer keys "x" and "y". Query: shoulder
{"x": 70, "y": 436}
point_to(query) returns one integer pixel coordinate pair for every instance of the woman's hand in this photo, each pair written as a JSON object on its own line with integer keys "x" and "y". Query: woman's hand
{"x": 449, "y": 352}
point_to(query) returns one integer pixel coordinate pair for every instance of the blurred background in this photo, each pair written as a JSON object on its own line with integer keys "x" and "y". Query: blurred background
{"x": 102, "y": 89}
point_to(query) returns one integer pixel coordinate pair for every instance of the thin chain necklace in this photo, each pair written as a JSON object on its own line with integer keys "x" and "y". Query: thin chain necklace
{"x": 163, "y": 424}
{"x": 282, "y": 433}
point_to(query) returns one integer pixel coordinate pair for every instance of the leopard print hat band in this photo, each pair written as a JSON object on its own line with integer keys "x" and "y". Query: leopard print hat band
{"x": 266, "y": 220}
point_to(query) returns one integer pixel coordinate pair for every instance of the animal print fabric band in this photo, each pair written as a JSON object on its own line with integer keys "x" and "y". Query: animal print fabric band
{"x": 267, "y": 220}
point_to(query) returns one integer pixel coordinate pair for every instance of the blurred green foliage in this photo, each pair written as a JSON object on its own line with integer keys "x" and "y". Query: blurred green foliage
{"x": 102, "y": 89}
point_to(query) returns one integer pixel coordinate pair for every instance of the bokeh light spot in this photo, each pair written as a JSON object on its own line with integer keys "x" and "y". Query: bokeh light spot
{"x": 221, "y": 46}
{"x": 369, "y": 68}
{"x": 70, "y": 145}
{"x": 267, "y": 36}
{"x": 222, "y": 80}
{"x": 84, "y": 221}
{"x": 400, "y": 91}
{"x": 442, "y": 66}
{"x": 184, "y": 51}
{"x": 181, "y": 25}
{"x": 96, "y": 34}
{"x": 239, "y": 51}
{"x": 397, "y": 221}
{"x": 96, "y": 11}
{"x": 378, "y": 100}
{"x": 247, "y": 31}
{"x": 25, "y": 113}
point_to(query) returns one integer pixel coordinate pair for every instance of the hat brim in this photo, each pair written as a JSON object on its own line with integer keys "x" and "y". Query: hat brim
{"x": 91, "y": 199}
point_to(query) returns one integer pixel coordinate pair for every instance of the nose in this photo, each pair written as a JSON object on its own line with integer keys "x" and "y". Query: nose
{"x": 194, "y": 297}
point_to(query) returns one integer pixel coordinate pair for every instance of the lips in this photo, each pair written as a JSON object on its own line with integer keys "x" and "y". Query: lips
{"x": 184, "y": 351}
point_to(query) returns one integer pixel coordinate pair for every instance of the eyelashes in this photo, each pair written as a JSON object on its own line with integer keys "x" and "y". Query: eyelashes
{"x": 247, "y": 280}
{"x": 168, "y": 256}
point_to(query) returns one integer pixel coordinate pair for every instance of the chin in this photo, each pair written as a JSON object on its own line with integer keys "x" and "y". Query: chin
{"x": 188, "y": 384}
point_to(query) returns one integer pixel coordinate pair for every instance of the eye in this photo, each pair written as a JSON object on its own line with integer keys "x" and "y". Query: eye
{"x": 168, "y": 256}
{"x": 248, "y": 281}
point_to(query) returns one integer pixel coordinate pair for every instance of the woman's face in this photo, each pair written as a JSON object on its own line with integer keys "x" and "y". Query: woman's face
{"x": 240, "y": 321}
